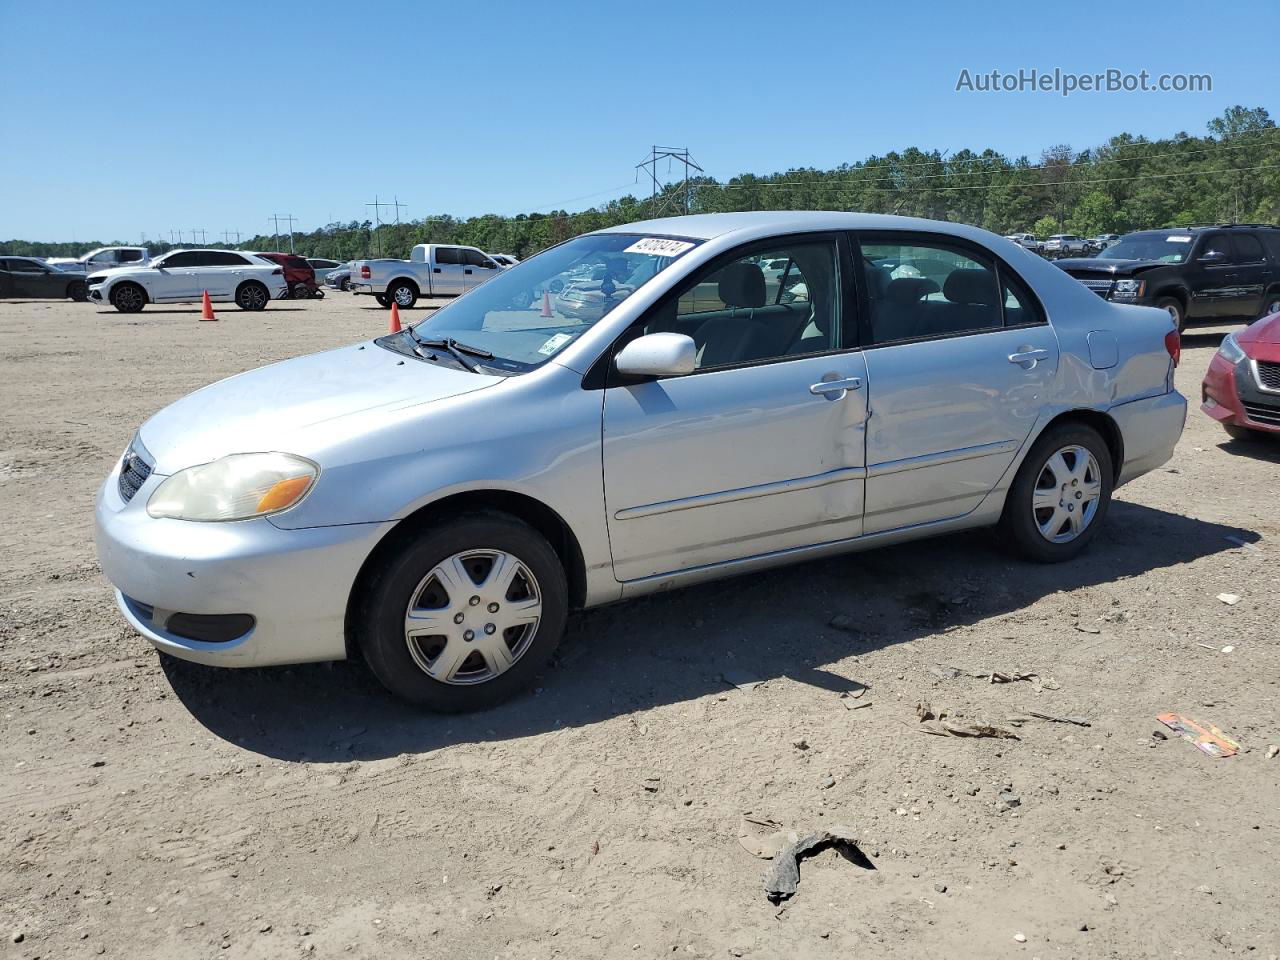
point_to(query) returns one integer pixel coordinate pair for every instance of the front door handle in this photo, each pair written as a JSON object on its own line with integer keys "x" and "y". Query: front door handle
{"x": 1028, "y": 358}
{"x": 835, "y": 389}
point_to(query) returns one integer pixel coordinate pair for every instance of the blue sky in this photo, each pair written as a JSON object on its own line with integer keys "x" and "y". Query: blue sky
{"x": 156, "y": 119}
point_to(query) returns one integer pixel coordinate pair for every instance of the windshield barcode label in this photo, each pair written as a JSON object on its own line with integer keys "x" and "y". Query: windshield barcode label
{"x": 659, "y": 247}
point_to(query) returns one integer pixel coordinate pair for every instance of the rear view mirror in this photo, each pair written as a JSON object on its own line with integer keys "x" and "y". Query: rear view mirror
{"x": 658, "y": 355}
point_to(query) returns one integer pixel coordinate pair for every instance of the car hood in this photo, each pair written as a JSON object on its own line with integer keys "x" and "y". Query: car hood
{"x": 302, "y": 406}
{"x": 1266, "y": 330}
{"x": 1116, "y": 268}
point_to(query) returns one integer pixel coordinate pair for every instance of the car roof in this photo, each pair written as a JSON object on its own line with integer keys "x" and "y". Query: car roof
{"x": 765, "y": 223}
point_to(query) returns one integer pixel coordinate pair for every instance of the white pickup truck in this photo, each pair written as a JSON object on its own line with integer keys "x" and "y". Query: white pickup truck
{"x": 103, "y": 258}
{"x": 432, "y": 270}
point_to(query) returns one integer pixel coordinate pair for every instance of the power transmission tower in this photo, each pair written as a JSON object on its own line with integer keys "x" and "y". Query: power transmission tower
{"x": 200, "y": 231}
{"x": 377, "y": 205}
{"x": 679, "y": 200}
{"x": 288, "y": 218}
{"x": 226, "y": 237}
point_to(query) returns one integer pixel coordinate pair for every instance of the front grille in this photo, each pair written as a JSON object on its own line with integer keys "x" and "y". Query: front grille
{"x": 1102, "y": 287}
{"x": 1262, "y": 413}
{"x": 134, "y": 470}
{"x": 1269, "y": 374}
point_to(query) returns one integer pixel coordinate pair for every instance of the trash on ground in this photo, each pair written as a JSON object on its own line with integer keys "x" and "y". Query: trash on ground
{"x": 762, "y": 837}
{"x": 1230, "y": 599}
{"x": 1228, "y": 648}
{"x": 1078, "y": 721}
{"x": 1086, "y": 629}
{"x": 943, "y": 672}
{"x": 1211, "y": 741}
{"x": 1272, "y": 751}
{"x": 740, "y": 679}
{"x": 651, "y": 784}
{"x": 782, "y": 878}
{"x": 855, "y": 704}
{"x": 938, "y": 725}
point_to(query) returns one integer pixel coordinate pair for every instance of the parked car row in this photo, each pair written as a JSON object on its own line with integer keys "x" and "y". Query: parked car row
{"x": 1064, "y": 244}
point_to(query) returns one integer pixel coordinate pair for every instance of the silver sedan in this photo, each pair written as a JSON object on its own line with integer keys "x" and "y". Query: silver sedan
{"x": 438, "y": 500}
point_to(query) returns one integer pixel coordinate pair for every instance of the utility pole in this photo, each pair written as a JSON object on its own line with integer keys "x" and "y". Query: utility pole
{"x": 377, "y": 205}
{"x": 289, "y": 219}
{"x": 650, "y": 166}
{"x": 226, "y": 237}
{"x": 200, "y": 231}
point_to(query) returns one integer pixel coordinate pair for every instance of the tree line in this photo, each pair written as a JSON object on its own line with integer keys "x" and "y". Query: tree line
{"x": 1230, "y": 174}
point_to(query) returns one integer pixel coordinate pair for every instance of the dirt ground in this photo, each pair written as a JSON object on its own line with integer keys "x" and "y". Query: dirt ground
{"x": 157, "y": 810}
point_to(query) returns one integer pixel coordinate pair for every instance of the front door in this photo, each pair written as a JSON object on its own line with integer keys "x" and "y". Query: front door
{"x": 761, "y": 448}
{"x": 447, "y": 278}
{"x": 958, "y": 361}
{"x": 477, "y": 268}
{"x": 33, "y": 279}
{"x": 175, "y": 279}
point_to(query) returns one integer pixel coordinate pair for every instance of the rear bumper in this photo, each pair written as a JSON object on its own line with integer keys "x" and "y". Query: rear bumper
{"x": 1150, "y": 429}
{"x": 374, "y": 288}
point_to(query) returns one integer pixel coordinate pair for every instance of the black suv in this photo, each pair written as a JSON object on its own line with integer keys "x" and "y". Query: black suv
{"x": 1199, "y": 273}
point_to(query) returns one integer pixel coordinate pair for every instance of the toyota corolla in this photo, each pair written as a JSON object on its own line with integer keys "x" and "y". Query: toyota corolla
{"x": 438, "y": 500}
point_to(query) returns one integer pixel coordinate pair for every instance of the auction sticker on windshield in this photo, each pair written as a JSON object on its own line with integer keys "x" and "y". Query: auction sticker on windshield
{"x": 554, "y": 343}
{"x": 1177, "y": 239}
{"x": 659, "y": 247}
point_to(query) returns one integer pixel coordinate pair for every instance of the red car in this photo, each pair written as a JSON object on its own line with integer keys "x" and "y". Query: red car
{"x": 1242, "y": 388}
{"x": 299, "y": 274}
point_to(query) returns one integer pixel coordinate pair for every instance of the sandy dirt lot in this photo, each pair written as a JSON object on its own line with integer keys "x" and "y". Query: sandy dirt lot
{"x": 150, "y": 809}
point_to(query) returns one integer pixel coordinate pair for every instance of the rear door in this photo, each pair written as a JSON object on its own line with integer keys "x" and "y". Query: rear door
{"x": 1253, "y": 274}
{"x": 447, "y": 278}
{"x": 959, "y": 355}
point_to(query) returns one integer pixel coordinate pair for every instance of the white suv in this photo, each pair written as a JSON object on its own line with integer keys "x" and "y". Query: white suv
{"x": 183, "y": 276}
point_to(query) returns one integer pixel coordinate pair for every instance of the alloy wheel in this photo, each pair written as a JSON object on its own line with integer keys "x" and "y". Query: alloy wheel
{"x": 404, "y": 297}
{"x": 253, "y": 297}
{"x": 128, "y": 299}
{"x": 472, "y": 616}
{"x": 1067, "y": 494}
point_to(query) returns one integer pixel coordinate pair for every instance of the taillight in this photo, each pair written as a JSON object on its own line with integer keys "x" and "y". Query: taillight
{"x": 1173, "y": 343}
{"x": 365, "y": 273}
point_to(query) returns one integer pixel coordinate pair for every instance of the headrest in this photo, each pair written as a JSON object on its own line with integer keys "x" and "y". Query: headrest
{"x": 971, "y": 286}
{"x": 742, "y": 285}
{"x": 906, "y": 290}
{"x": 878, "y": 278}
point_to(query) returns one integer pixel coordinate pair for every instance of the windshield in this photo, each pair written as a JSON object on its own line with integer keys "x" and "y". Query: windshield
{"x": 1165, "y": 247}
{"x": 528, "y": 313}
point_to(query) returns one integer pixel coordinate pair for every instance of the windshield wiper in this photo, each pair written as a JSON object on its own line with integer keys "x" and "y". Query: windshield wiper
{"x": 457, "y": 350}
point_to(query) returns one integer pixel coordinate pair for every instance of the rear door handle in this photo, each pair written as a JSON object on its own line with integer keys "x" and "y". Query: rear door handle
{"x": 835, "y": 389}
{"x": 1028, "y": 358}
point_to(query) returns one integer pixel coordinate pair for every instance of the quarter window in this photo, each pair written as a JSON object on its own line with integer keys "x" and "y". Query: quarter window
{"x": 919, "y": 290}
{"x": 1248, "y": 249}
{"x": 780, "y": 303}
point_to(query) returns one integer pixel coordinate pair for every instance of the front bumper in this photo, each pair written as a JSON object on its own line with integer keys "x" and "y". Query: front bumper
{"x": 294, "y": 583}
{"x": 1150, "y": 429}
{"x": 1232, "y": 395}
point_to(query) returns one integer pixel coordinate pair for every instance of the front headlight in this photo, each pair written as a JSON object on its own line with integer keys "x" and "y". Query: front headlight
{"x": 1128, "y": 289}
{"x": 1230, "y": 350}
{"x": 236, "y": 487}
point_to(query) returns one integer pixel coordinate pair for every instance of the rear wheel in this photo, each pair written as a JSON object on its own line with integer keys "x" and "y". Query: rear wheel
{"x": 128, "y": 298}
{"x": 383, "y": 300}
{"x": 1173, "y": 307}
{"x": 252, "y": 295}
{"x": 300, "y": 291}
{"x": 405, "y": 295}
{"x": 463, "y": 616}
{"x": 1061, "y": 494}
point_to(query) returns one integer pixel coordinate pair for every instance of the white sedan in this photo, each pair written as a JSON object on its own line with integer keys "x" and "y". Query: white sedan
{"x": 184, "y": 276}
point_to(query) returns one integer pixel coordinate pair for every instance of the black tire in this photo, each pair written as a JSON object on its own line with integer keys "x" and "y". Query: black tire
{"x": 251, "y": 295}
{"x": 379, "y": 614}
{"x": 1173, "y": 306}
{"x": 78, "y": 291}
{"x": 403, "y": 293}
{"x": 1020, "y": 524}
{"x": 128, "y": 298}
{"x": 1244, "y": 434}
{"x": 383, "y": 300}
{"x": 1270, "y": 304}
{"x": 299, "y": 291}
{"x": 344, "y": 286}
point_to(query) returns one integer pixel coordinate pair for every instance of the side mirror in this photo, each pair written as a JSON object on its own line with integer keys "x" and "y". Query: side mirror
{"x": 658, "y": 355}
{"x": 1213, "y": 256}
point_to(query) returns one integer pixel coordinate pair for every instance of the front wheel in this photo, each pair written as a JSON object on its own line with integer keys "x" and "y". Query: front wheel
{"x": 1270, "y": 305}
{"x": 1060, "y": 495}
{"x": 463, "y": 615}
{"x": 1173, "y": 307}
{"x": 128, "y": 298}
{"x": 252, "y": 296}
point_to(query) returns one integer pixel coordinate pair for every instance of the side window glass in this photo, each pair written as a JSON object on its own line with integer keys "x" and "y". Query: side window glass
{"x": 768, "y": 306}
{"x": 1216, "y": 248}
{"x": 1248, "y": 249}
{"x": 446, "y": 255}
{"x": 130, "y": 256}
{"x": 1019, "y": 306}
{"x": 919, "y": 290}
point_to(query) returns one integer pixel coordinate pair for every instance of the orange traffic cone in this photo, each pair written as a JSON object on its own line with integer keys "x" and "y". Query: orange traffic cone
{"x": 546, "y": 304}
{"x": 206, "y": 310}
{"x": 394, "y": 325}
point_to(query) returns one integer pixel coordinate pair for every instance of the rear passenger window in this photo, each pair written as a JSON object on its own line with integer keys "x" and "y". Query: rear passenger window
{"x": 1248, "y": 249}
{"x": 767, "y": 306}
{"x": 920, "y": 290}
{"x": 447, "y": 255}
